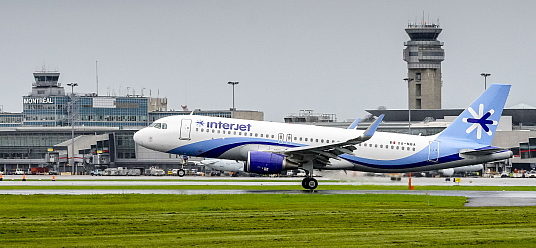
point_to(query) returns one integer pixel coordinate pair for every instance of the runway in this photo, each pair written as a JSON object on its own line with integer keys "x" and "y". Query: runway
{"x": 475, "y": 198}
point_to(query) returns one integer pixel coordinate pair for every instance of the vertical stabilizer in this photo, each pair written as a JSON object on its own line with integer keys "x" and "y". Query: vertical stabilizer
{"x": 478, "y": 122}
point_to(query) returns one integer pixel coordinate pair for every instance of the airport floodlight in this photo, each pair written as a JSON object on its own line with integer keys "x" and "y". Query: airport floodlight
{"x": 233, "y": 84}
{"x": 485, "y": 75}
{"x": 71, "y": 113}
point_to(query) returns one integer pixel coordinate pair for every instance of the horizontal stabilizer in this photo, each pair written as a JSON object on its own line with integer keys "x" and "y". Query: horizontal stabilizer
{"x": 483, "y": 152}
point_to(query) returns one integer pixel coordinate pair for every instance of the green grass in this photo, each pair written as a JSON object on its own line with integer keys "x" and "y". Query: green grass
{"x": 297, "y": 186}
{"x": 255, "y": 220}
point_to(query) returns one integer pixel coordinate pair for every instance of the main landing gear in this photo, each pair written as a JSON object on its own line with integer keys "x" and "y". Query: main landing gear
{"x": 309, "y": 183}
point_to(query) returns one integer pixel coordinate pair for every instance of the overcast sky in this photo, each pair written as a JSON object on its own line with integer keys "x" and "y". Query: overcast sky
{"x": 333, "y": 57}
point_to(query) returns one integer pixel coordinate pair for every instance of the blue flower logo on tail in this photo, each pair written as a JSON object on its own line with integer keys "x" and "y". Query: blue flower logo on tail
{"x": 480, "y": 121}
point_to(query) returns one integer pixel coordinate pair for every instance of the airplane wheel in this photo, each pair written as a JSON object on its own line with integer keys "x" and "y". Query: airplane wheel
{"x": 304, "y": 183}
{"x": 309, "y": 183}
{"x": 181, "y": 173}
{"x": 312, "y": 184}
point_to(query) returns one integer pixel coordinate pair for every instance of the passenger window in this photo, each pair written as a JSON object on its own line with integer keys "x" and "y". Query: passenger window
{"x": 197, "y": 129}
{"x": 256, "y": 134}
{"x": 392, "y": 147}
{"x": 316, "y": 140}
{"x": 397, "y": 147}
{"x": 300, "y": 138}
{"x": 306, "y": 139}
{"x": 375, "y": 145}
{"x": 213, "y": 131}
{"x": 381, "y": 146}
{"x": 322, "y": 141}
{"x": 402, "y": 148}
{"x": 239, "y": 133}
{"x": 413, "y": 148}
{"x": 202, "y": 130}
{"x": 327, "y": 141}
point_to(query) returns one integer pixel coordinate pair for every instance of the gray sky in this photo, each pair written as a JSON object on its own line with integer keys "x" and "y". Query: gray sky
{"x": 338, "y": 57}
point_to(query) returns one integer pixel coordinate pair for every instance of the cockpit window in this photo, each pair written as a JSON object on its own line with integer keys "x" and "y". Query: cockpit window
{"x": 156, "y": 125}
{"x": 164, "y": 126}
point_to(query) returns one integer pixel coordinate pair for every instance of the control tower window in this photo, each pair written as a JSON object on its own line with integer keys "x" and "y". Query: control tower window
{"x": 418, "y": 76}
{"x": 418, "y": 90}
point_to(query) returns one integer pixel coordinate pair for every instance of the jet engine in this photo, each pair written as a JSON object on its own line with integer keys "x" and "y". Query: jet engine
{"x": 267, "y": 163}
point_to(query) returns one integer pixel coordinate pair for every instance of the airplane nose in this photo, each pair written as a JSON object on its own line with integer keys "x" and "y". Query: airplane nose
{"x": 138, "y": 137}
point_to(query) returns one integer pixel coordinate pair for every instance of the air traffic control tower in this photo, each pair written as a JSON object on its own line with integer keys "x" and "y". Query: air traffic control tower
{"x": 424, "y": 54}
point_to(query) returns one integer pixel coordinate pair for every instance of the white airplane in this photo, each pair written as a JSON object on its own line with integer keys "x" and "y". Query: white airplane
{"x": 223, "y": 164}
{"x": 470, "y": 168}
{"x": 270, "y": 148}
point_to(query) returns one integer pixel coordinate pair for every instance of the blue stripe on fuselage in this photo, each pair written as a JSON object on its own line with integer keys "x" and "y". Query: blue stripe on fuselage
{"x": 215, "y": 147}
{"x": 405, "y": 163}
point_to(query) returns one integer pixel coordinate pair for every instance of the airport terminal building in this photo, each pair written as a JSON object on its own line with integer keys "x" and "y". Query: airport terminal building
{"x": 55, "y": 121}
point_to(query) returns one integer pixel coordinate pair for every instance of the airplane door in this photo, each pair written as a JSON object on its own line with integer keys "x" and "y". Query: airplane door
{"x": 433, "y": 151}
{"x": 289, "y": 138}
{"x": 185, "y": 129}
{"x": 281, "y": 138}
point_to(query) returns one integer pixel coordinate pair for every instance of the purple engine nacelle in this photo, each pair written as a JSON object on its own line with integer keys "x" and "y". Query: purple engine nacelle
{"x": 267, "y": 163}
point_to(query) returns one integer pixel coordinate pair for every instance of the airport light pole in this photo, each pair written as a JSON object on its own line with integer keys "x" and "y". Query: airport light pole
{"x": 233, "y": 84}
{"x": 485, "y": 75}
{"x": 72, "y": 126}
{"x": 409, "y": 105}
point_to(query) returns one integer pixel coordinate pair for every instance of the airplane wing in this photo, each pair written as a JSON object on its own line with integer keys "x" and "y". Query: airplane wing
{"x": 323, "y": 153}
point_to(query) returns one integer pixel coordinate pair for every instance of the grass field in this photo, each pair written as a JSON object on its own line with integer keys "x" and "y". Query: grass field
{"x": 255, "y": 220}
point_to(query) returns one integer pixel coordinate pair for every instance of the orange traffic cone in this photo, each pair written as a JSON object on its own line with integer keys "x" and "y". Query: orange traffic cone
{"x": 1, "y": 177}
{"x": 23, "y": 177}
{"x": 53, "y": 178}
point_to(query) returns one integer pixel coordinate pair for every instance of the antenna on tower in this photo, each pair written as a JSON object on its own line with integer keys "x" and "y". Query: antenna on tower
{"x": 97, "y": 76}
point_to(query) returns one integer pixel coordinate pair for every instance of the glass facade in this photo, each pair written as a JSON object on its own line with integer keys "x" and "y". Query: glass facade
{"x": 54, "y": 111}
{"x": 11, "y": 119}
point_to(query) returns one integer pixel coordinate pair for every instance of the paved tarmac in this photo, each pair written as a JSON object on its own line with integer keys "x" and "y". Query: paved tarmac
{"x": 475, "y": 198}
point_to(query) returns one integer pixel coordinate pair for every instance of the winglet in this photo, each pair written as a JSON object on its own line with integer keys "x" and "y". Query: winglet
{"x": 372, "y": 128}
{"x": 354, "y": 124}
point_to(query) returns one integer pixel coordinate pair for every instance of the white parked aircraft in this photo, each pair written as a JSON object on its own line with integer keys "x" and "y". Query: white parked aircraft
{"x": 470, "y": 168}
{"x": 269, "y": 147}
{"x": 223, "y": 165}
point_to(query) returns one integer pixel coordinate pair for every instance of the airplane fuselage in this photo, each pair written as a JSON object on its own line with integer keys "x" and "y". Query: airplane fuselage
{"x": 225, "y": 138}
